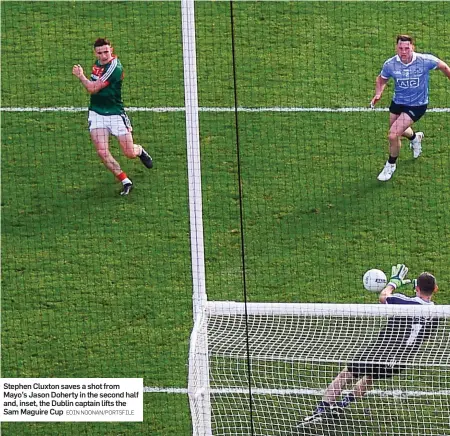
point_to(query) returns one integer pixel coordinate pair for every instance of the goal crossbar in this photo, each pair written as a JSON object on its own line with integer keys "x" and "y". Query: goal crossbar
{"x": 217, "y": 308}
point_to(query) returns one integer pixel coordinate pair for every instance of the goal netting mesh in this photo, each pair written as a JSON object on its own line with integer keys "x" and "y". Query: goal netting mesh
{"x": 261, "y": 368}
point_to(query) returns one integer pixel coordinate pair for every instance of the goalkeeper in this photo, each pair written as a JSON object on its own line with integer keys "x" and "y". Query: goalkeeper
{"x": 399, "y": 339}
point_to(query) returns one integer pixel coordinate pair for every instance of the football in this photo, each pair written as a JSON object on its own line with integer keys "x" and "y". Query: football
{"x": 374, "y": 280}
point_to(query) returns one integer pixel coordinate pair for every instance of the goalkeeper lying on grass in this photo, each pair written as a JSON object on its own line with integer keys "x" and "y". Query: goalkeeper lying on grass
{"x": 396, "y": 342}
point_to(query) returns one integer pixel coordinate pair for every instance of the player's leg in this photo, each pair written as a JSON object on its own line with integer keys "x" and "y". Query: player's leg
{"x": 399, "y": 123}
{"x": 335, "y": 388}
{"x": 129, "y": 148}
{"x": 390, "y": 165}
{"x": 358, "y": 391}
{"x": 363, "y": 386}
{"x": 100, "y": 138}
{"x": 327, "y": 408}
{"x": 415, "y": 138}
{"x": 132, "y": 150}
{"x": 415, "y": 113}
{"x": 409, "y": 133}
{"x": 377, "y": 371}
{"x": 122, "y": 130}
{"x": 100, "y": 129}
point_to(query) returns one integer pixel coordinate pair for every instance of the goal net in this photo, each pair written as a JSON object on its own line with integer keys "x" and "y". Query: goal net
{"x": 261, "y": 368}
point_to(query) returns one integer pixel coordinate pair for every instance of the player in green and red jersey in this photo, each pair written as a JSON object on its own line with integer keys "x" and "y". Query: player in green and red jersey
{"x": 106, "y": 112}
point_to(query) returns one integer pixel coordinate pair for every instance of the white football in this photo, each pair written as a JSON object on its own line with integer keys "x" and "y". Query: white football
{"x": 374, "y": 280}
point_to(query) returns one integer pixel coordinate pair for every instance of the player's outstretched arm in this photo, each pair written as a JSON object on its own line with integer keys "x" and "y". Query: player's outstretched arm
{"x": 385, "y": 293}
{"x": 380, "y": 84}
{"x": 444, "y": 68}
{"x": 91, "y": 87}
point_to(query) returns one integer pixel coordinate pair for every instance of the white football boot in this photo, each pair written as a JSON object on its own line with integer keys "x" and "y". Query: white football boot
{"x": 416, "y": 145}
{"x": 387, "y": 172}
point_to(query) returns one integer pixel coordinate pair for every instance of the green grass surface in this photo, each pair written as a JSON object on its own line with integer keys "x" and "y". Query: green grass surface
{"x": 165, "y": 414}
{"x": 95, "y": 285}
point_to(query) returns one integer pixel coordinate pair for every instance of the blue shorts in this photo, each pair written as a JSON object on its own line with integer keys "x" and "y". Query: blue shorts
{"x": 414, "y": 112}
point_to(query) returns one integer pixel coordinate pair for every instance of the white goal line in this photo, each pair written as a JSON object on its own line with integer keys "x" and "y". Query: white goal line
{"x": 397, "y": 393}
{"x": 214, "y": 109}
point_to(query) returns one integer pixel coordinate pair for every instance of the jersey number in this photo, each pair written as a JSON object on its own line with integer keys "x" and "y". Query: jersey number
{"x": 415, "y": 329}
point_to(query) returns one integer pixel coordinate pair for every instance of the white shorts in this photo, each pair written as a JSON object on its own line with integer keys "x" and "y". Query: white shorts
{"x": 117, "y": 125}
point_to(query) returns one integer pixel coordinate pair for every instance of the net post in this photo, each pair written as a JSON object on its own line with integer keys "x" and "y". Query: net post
{"x": 198, "y": 379}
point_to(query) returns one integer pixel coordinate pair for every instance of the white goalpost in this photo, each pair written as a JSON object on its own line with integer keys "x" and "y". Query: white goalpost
{"x": 291, "y": 352}
{"x": 198, "y": 391}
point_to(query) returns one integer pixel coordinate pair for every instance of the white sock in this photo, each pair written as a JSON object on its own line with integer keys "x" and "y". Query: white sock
{"x": 125, "y": 181}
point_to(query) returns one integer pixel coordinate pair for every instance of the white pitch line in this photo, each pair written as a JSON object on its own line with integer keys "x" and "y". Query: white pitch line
{"x": 215, "y": 109}
{"x": 316, "y": 392}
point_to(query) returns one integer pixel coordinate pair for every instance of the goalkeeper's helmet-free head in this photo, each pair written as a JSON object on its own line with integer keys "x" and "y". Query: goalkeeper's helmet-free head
{"x": 426, "y": 283}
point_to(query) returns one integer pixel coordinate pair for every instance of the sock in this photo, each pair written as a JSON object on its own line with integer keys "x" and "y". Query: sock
{"x": 123, "y": 178}
{"x": 392, "y": 160}
{"x": 413, "y": 136}
{"x": 322, "y": 406}
{"x": 348, "y": 399}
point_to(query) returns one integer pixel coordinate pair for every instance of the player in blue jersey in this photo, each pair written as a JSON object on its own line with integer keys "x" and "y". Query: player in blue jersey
{"x": 399, "y": 340}
{"x": 410, "y": 72}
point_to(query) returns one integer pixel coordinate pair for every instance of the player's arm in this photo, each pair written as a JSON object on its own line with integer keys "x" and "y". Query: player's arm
{"x": 380, "y": 84}
{"x": 91, "y": 86}
{"x": 385, "y": 293}
{"x": 444, "y": 68}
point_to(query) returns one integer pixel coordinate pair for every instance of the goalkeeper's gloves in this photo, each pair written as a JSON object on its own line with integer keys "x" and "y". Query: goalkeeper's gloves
{"x": 398, "y": 275}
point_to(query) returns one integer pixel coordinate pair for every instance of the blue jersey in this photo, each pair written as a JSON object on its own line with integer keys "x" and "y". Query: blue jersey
{"x": 411, "y": 80}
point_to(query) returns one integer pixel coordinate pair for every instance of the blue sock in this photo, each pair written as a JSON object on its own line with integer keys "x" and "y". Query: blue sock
{"x": 348, "y": 399}
{"x": 321, "y": 407}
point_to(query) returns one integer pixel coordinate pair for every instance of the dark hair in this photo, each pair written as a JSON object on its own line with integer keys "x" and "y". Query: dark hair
{"x": 405, "y": 38}
{"x": 100, "y": 42}
{"x": 426, "y": 283}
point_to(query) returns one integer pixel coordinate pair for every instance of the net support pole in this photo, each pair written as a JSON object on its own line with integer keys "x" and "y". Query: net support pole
{"x": 193, "y": 156}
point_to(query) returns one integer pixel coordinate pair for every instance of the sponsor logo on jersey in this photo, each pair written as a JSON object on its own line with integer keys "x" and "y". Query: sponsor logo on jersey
{"x": 413, "y": 82}
{"x": 97, "y": 72}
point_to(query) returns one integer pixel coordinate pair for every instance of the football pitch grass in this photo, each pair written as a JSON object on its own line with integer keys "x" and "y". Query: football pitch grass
{"x": 95, "y": 285}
